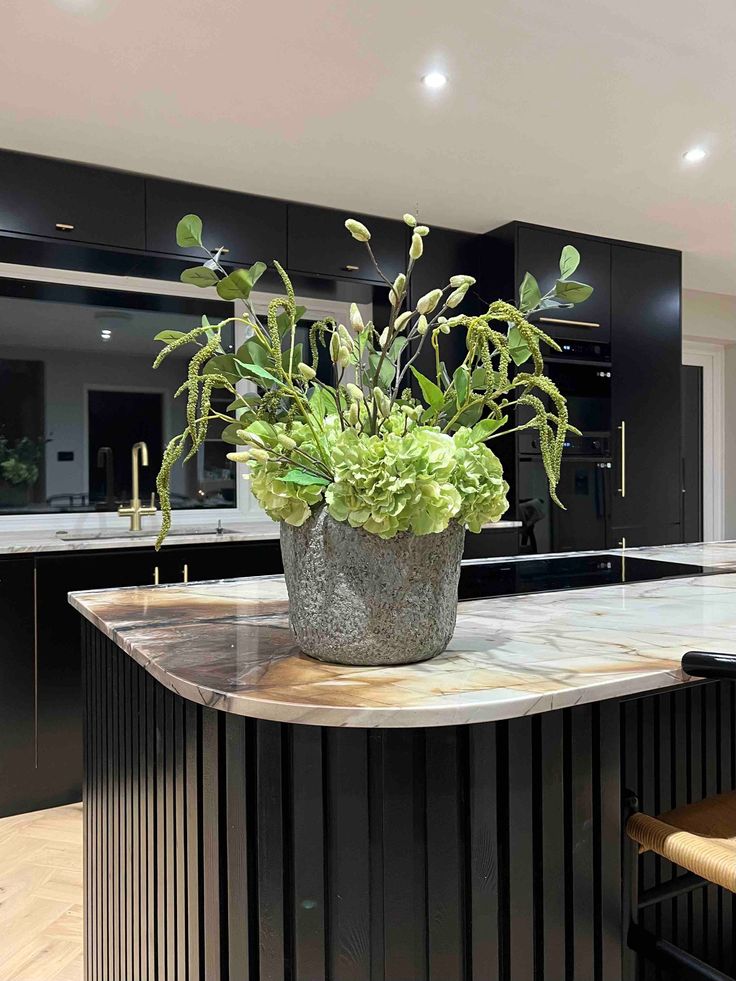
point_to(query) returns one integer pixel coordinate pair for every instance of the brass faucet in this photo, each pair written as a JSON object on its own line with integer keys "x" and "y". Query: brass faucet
{"x": 135, "y": 509}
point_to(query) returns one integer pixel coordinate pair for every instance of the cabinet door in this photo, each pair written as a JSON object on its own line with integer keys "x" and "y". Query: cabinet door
{"x": 55, "y": 199}
{"x": 319, "y": 243}
{"x": 59, "y": 659}
{"x": 251, "y": 228}
{"x": 230, "y": 561}
{"x": 538, "y": 252}
{"x": 17, "y": 686}
{"x": 646, "y": 384}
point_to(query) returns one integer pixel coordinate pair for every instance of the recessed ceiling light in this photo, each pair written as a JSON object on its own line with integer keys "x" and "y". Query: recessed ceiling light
{"x": 695, "y": 154}
{"x": 435, "y": 80}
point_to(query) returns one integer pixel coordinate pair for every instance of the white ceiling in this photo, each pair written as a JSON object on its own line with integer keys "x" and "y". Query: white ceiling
{"x": 574, "y": 113}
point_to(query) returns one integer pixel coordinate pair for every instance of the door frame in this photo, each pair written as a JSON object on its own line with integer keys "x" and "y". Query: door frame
{"x": 711, "y": 357}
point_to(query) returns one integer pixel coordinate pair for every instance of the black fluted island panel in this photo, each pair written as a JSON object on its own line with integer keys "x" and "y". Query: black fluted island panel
{"x": 221, "y": 848}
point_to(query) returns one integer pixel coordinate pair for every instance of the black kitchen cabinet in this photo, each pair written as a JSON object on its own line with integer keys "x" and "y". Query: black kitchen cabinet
{"x": 490, "y": 543}
{"x": 538, "y": 252}
{"x": 251, "y": 228}
{"x": 17, "y": 686}
{"x": 646, "y": 394}
{"x": 40, "y": 668}
{"x": 56, "y": 199}
{"x": 320, "y": 244}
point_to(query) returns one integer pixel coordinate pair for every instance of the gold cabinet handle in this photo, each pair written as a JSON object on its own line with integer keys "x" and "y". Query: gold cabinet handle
{"x": 351, "y": 268}
{"x": 622, "y": 543}
{"x": 185, "y": 572}
{"x": 568, "y": 323}
{"x": 622, "y": 430}
{"x": 155, "y": 575}
{"x": 63, "y": 227}
{"x": 222, "y": 249}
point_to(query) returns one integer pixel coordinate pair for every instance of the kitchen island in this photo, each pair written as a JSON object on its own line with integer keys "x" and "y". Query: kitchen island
{"x": 254, "y": 814}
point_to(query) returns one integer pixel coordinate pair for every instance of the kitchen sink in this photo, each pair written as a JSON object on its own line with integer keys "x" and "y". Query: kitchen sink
{"x": 110, "y": 533}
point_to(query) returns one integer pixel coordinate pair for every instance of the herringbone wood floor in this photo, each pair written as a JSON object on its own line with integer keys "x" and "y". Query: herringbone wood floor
{"x": 41, "y": 895}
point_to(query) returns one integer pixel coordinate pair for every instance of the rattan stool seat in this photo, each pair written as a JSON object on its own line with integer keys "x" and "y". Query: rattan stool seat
{"x": 698, "y": 837}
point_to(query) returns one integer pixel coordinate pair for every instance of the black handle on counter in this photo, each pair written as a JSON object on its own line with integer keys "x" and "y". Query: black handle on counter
{"x": 708, "y": 664}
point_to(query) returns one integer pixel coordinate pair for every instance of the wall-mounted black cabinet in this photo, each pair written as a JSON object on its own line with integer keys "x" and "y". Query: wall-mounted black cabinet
{"x": 59, "y": 200}
{"x": 251, "y": 228}
{"x": 519, "y": 248}
{"x": 646, "y": 391}
{"x": 320, "y": 244}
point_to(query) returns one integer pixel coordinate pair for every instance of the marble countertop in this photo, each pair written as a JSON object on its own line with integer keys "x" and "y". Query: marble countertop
{"x": 227, "y": 645}
{"x": 31, "y": 542}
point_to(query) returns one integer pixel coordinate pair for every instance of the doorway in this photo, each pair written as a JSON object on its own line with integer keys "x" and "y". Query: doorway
{"x": 692, "y": 453}
{"x": 116, "y": 420}
{"x": 705, "y": 390}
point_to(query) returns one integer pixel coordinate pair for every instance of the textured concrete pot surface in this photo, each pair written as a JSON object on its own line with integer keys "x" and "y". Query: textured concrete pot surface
{"x": 355, "y": 598}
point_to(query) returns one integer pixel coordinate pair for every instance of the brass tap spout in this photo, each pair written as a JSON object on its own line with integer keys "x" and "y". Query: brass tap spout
{"x": 135, "y": 510}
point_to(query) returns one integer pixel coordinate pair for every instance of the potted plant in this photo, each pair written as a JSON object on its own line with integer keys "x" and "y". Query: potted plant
{"x": 374, "y": 484}
{"x": 19, "y": 469}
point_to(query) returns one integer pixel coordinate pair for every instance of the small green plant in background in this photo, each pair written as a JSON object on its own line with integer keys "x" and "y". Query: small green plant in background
{"x": 365, "y": 446}
{"x": 21, "y": 464}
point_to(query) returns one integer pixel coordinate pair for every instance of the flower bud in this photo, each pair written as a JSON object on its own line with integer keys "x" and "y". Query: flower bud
{"x": 421, "y": 230}
{"x": 355, "y": 393}
{"x": 429, "y": 301}
{"x": 286, "y": 441}
{"x": 456, "y": 281}
{"x": 422, "y": 326}
{"x": 334, "y": 346}
{"x": 343, "y": 357}
{"x": 456, "y": 297}
{"x": 382, "y": 401}
{"x": 358, "y": 230}
{"x": 356, "y": 321}
{"x": 402, "y": 320}
{"x": 305, "y": 371}
{"x": 242, "y": 456}
{"x": 260, "y": 455}
{"x": 398, "y": 289}
{"x": 345, "y": 338}
{"x": 410, "y": 220}
{"x": 383, "y": 337}
{"x": 445, "y": 328}
{"x": 354, "y": 414}
{"x": 417, "y": 247}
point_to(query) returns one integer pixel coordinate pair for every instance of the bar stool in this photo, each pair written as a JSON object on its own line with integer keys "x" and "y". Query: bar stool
{"x": 699, "y": 837}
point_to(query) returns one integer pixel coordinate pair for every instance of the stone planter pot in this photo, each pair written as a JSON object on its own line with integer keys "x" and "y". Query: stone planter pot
{"x": 357, "y": 599}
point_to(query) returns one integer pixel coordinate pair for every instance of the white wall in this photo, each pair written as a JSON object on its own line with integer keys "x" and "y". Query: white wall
{"x": 712, "y": 317}
{"x": 66, "y": 375}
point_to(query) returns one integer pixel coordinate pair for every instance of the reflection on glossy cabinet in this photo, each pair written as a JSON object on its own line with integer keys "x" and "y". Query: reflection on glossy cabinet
{"x": 56, "y": 199}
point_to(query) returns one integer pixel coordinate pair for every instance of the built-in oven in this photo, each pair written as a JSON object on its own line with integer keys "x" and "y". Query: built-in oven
{"x": 582, "y": 372}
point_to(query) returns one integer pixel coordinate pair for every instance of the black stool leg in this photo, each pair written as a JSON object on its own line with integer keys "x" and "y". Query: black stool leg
{"x": 630, "y": 891}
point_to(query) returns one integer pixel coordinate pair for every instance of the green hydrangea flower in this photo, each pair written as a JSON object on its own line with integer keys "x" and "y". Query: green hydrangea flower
{"x": 416, "y": 481}
{"x": 283, "y": 500}
{"x": 479, "y": 479}
{"x": 394, "y": 483}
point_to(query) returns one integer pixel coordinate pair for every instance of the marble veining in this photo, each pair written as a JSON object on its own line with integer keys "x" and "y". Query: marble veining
{"x": 228, "y": 645}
